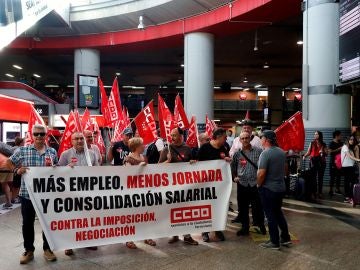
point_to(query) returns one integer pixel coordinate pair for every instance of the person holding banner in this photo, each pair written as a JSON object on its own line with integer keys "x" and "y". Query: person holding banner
{"x": 120, "y": 150}
{"x": 34, "y": 155}
{"x": 215, "y": 149}
{"x": 135, "y": 157}
{"x": 76, "y": 156}
{"x": 177, "y": 151}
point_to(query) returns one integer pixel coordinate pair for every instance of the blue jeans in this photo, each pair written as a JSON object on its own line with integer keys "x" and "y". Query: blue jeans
{"x": 272, "y": 203}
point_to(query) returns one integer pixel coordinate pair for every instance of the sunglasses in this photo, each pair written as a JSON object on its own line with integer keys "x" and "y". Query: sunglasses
{"x": 39, "y": 134}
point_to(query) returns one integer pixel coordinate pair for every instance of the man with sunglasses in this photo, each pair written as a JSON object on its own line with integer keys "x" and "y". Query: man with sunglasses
{"x": 34, "y": 155}
{"x": 244, "y": 169}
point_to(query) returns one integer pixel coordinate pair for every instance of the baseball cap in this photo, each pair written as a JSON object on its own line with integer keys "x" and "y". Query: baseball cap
{"x": 270, "y": 135}
{"x": 127, "y": 131}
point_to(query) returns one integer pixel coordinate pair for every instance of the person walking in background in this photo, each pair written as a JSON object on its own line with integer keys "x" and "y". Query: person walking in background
{"x": 348, "y": 159}
{"x": 317, "y": 152}
{"x": 270, "y": 181}
{"x": 335, "y": 174}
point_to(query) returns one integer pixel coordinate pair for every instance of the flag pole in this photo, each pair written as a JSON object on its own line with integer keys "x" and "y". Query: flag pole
{"x": 86, "y": 149}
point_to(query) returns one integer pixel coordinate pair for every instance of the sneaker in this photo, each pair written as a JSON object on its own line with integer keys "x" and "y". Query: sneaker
{"x": 286, "y": 242}
{"x": 262, "y": 229}
{"x": 242, "y": 232}
{"x": 7, "y": 206}
{"x": 190, "y": 241}
{"x": 220, "y": 235}
{"x": 173, "y": 239}
{"x": 49, "y": 255}
{"x": 270, "y": 245}
{"x": 236, "y": 220}
{"x": 205, "y": 237}
{"x": 26, "y": 257}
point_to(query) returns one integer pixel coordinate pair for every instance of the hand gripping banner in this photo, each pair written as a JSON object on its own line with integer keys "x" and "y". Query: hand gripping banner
{"x": 91, "y": 206}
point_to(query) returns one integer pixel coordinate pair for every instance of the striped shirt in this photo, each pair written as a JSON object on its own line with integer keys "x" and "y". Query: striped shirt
{"x": 29, "y": 156}
{"x": 243, "y": 169}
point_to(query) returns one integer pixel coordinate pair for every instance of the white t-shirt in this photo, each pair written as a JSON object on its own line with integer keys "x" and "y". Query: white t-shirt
{"x": 159, "y": 144}
{"x": 345, "y": 160}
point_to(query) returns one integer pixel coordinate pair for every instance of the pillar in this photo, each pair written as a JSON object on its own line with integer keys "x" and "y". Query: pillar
{"x": 323, "y": 108}
{"x": 276, "y": 106}
{"x": 86, "y": 62}
{"x": 199, "y": 76}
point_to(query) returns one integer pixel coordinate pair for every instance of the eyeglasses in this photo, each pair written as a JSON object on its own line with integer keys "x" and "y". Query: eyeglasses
{"x": 78, "y": 139}
{"x": 244, "y": 138}
{"x": 39, "y": 134}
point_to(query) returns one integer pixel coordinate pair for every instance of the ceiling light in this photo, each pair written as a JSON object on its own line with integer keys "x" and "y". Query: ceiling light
{"x": 16, "y": 66}
{"x": 179, "y": 80}
{"x": 256, "y": 42}
{"x": 51, "y": 85}
{"x": 141, "y": 25}
{"x": 9, "y": 75}
{"x": 257, "y": 86}
{"x": 182, "y": 65}
{"x": 70, "y": 85}
{"x": 36, "y": 75}
{"x": 117, "y": 73}
{"x": 266, "y": 65}
{"x": 300, "y": 42}
{"x": 217, "y": 120}
{"x": 246, "y": 89}
{"x": 245, "y": 80}
{"x": 179, "y": 87}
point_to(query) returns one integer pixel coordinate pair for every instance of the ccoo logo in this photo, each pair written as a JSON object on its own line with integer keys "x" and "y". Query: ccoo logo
{"x": 192, "y": 213}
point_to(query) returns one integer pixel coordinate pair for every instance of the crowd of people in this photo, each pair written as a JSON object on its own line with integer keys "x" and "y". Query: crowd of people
{"x": 258, "y": 168}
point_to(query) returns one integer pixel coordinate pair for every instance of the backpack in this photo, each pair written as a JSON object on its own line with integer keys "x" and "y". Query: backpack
{"x": 152, "y": 154}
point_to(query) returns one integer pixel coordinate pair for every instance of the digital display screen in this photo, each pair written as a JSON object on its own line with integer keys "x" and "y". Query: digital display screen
{"x": 349, "y": 40}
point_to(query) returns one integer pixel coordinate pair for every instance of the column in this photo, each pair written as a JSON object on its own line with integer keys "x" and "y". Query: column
{"x": 323, "y": 108}
{"x": 276, "y": 106}
{"x": 199, "y": 76}
{"x": 86, "y": 62}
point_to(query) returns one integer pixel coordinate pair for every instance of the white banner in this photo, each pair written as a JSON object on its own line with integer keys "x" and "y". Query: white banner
{"x": 92, "y": 206}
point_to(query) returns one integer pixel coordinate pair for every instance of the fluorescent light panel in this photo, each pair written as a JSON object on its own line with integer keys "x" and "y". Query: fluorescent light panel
{"x": 17, "y": 67}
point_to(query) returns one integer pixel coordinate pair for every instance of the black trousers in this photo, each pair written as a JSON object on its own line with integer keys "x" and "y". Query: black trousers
{"x": 335, "y": 177}
{"x": 317, "y": 169}
{"x": 246, "y": 196}
{"x": 28, "y": 215}
{"x": 349, "y": 180}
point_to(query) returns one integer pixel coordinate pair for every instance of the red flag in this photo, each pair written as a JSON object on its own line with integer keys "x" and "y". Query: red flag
{"x": 291, "y": 134}
{"x": 126, "y": 116}
{"x": 145, "y": 123}
{"x": 192, "y": 139}
{"x": 210, "y": 126}
{"x": 114, "y": 103}
{"x": 72, "y": 126}
{"x": 166, "y": 120}
{"x": 85, "y": 120}
{"x": 104, "y": 103}
{"x": 180, "y": 117}
{"x": 34, "y": 118}
{"x": 247, "y": 116}
{"x": 98, "y": 140}
{"x": 118, "y": 129}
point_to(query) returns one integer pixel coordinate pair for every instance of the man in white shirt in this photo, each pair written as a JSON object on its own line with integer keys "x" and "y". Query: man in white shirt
{"x": 255, "y": 140}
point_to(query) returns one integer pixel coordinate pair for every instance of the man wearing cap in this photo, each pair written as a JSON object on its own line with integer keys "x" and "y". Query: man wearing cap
{"x": 120, "y": 150}
{"x": 271, "y": 185}
{"x": 247, "y": 126}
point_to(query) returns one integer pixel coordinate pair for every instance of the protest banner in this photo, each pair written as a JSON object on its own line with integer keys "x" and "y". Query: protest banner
{"x": 91, "y": 206}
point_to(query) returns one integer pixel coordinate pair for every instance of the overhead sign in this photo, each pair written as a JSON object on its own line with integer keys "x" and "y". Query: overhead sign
{"x": 88, "y": 91}
{"x": 92, "y": 206}
{"x": 16, "y": 16}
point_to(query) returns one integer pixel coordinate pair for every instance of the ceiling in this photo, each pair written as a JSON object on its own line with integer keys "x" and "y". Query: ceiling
{"x": 234, "y": 59}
